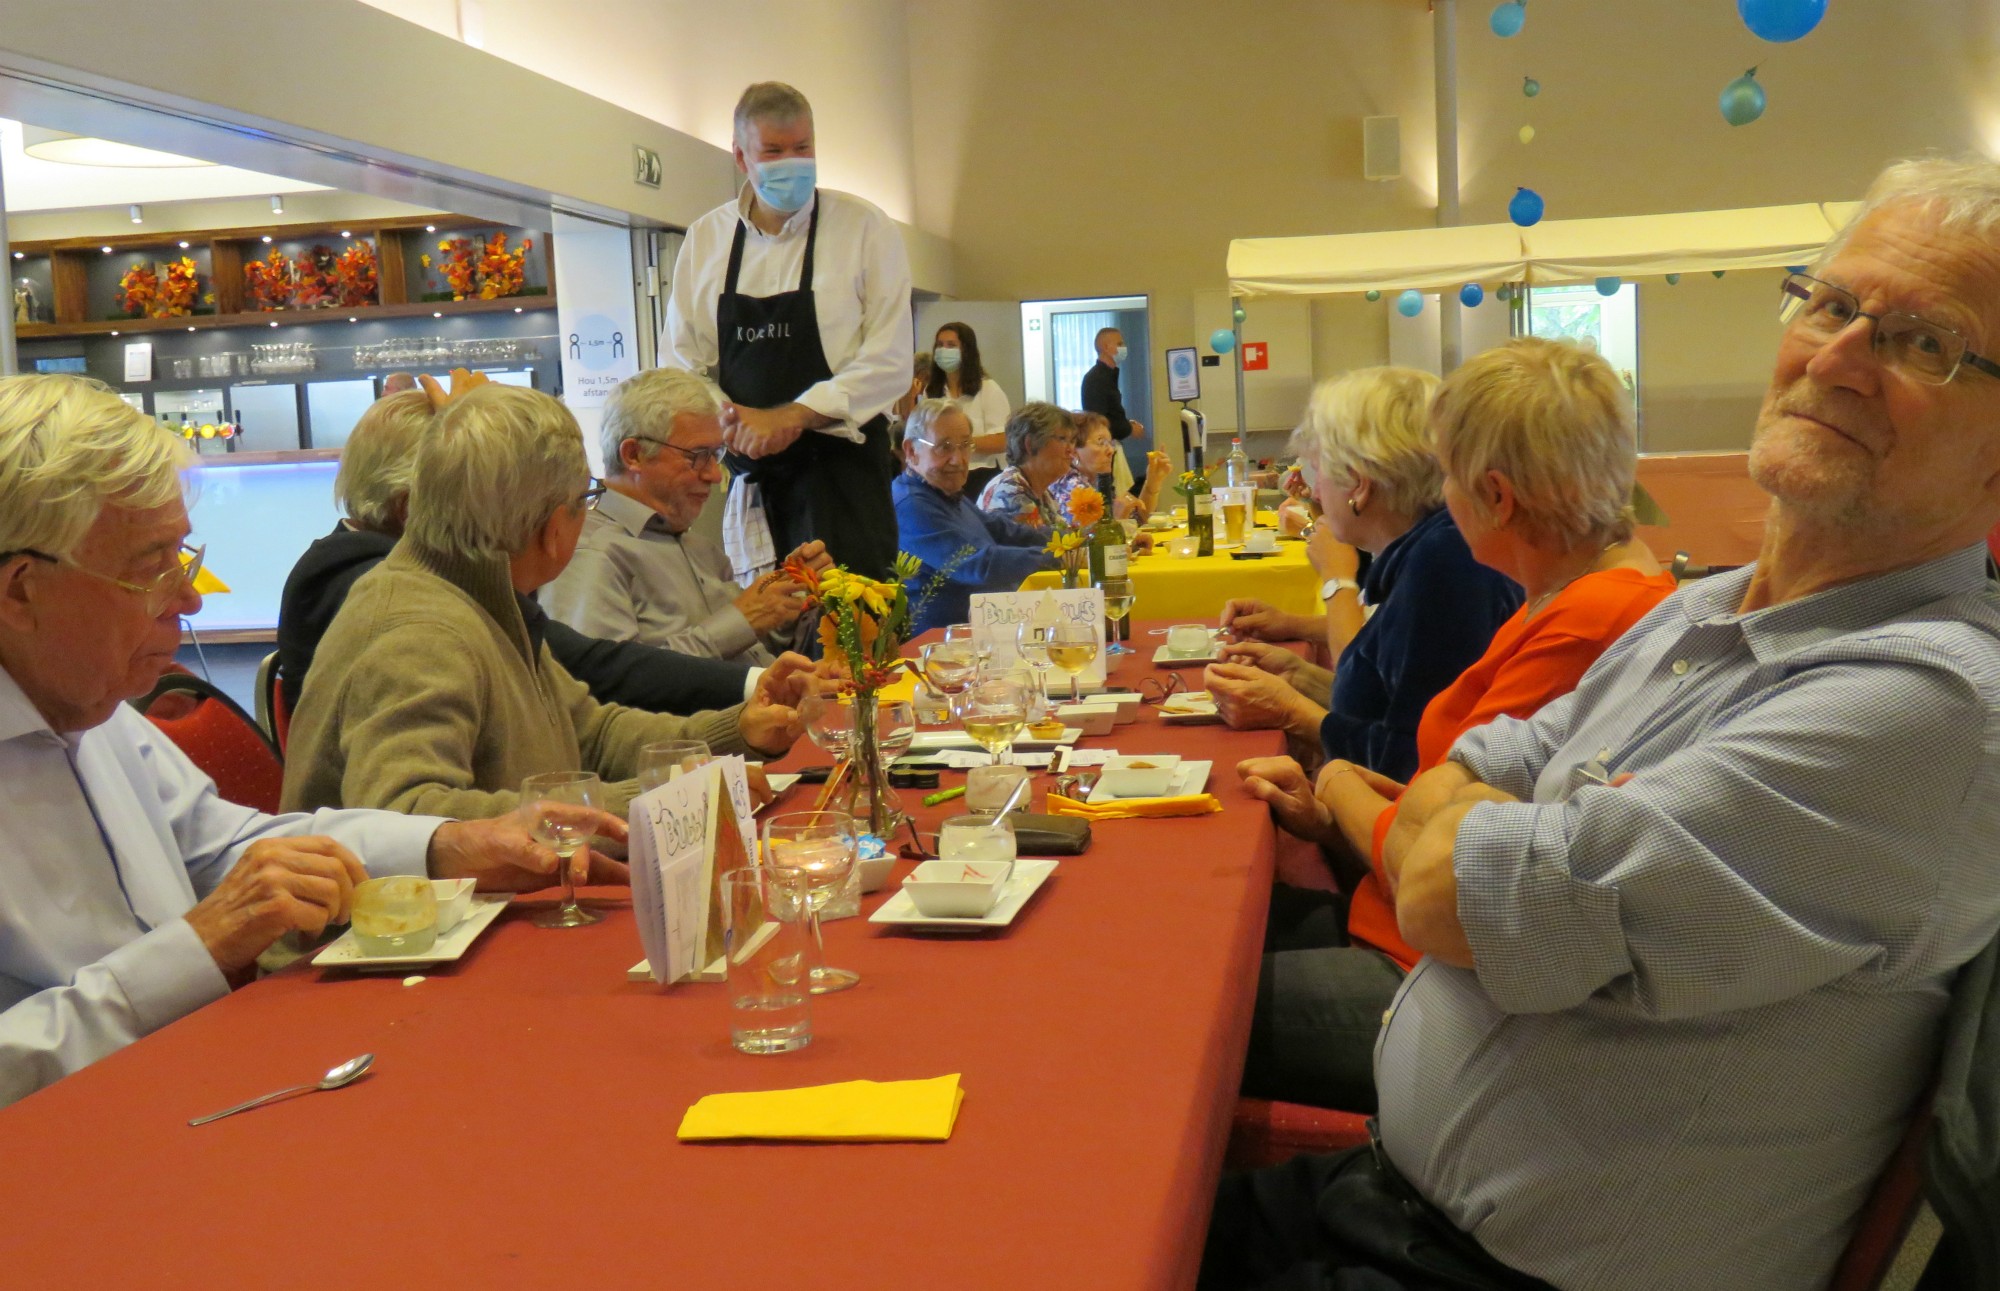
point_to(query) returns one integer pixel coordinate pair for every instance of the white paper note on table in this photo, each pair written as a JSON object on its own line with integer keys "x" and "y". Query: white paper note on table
{"x": 673, "y": 832}
{"x": 997, "y": 616}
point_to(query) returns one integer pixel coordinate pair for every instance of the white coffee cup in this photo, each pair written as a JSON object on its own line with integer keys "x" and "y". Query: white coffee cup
{"x": 1260, "y": 540}
{"x": 1189, "y": 640}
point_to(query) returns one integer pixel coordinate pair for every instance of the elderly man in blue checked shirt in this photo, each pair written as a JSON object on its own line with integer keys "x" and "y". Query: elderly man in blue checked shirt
{"x": 130, "y": 894}
{"x": 1690, "y": 931}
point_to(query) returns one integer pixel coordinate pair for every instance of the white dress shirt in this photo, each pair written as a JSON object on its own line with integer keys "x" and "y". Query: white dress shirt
{"x": 987, "y": 412}
{"x": 861, "y": 297}
{"x": 111, "y": 836}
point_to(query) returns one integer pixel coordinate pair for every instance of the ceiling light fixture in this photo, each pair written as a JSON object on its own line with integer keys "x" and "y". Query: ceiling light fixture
{"x": 430, "y": 228}
{"x": 277, "y": 204}
{"x": 437, "y": 313}
{"x": 274, "y": 324}
{"x": 344, "y": 233}
{"x": 20, "y": 254}
{"x": 138, "y": 216}
{"x": 107, "y": 250}
{"x": 67, "y": 149}
{"x": 267, "y": 237}
{"x": 184, "y": 244}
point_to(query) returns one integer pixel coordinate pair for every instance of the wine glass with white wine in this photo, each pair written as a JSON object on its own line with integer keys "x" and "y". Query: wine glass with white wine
{"x": 1072, "y": 647}
{"x": 995, "y": 712}
{"x": 558, "y": 829}
{"x": 1117, "y": 604}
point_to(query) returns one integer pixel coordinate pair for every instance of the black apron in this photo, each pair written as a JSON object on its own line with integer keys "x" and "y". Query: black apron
{"x": 823, "y": 486}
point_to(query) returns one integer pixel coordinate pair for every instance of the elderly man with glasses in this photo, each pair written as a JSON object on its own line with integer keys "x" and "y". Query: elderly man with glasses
{"x": 971, "y": 550}
{"x": 130, "y": 894}
{"x": 432, "y": 691}
{"x": 1690, "y": 932}
{"x": 640, "y": 574}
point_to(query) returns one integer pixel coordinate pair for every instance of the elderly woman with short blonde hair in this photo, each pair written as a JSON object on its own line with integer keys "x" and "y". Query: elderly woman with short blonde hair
{"x": 1365, "y": 444}
{"x": 429, "y": 693}
{"x": 1538, "y": 451}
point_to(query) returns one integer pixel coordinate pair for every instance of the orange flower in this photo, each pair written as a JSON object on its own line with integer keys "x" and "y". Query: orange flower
{"x": 1086, "y": 507}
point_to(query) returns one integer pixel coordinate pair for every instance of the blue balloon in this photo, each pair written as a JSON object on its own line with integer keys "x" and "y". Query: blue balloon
{"x": 1526, "y": 208}
{"x": 1222, "y": 340}
{"x": 1471, "y": 294}
{"x": 1795, "y": 268}
{"x": 1509, "y": 18}
{"x": 1609, "y": 285}
{"x": 1410, "y": 303}
{"x": 1779, "y": 21}
{"x": 1743, "y": 99}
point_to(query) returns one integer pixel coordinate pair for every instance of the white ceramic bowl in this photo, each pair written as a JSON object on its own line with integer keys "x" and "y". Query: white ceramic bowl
{"x": 454, "y": 898}
{"x": 875, "y": 870}
{"x": 1127, "y": 703}
{"x": 1094, "y": 718}
{"x": 957, "y": 889}
{"x": 1261, "y": 540}
{"x": 1141, "y": 775}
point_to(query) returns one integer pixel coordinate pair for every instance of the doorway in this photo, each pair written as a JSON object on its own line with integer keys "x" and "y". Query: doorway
{"x": 1059, "y": 345}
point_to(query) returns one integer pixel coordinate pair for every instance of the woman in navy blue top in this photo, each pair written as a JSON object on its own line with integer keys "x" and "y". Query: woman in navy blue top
{"x": 1423, "y": 613}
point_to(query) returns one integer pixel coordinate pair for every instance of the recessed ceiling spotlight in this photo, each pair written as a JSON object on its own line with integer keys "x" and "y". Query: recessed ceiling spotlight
{"x": 274, "y": 324}
{"x": 138, "y": 216}
{"x": 437, "y": 313}
{"x": 107, "y": 250}
{"x": 267, "y": 237}
{"x": 19, "y": 254}
{"x": 430, "y": 228}
{"x": 184, "y": 245}
{"x": 277, "y": 204}
{"x": 344, "y": 233}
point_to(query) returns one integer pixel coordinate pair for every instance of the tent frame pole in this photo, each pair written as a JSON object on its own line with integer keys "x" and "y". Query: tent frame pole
{"x": 1444, "y": 49}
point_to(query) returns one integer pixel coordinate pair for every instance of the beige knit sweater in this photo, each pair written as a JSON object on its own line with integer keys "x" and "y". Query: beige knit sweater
{"x": 424, "y": 698}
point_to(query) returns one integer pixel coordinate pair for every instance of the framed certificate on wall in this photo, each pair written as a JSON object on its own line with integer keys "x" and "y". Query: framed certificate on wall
{"x": 1183, "y": 374}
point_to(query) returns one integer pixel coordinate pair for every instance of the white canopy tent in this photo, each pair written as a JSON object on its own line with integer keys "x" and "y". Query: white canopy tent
{"x": 1549, "y": 253}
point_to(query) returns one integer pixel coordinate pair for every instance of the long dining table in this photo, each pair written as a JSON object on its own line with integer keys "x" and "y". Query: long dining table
{"x": 518, "y": 1128}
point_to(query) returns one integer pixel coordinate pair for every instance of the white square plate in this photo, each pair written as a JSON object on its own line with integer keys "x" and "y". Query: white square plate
{"x": 1192, "y": 777}
{"x": 1163, "y": 659}
{"x": 900, "y": 911}
{"x": 779, "y": 782}
{"x": 1201, "y": 712}
{"x": 345, "y": 952}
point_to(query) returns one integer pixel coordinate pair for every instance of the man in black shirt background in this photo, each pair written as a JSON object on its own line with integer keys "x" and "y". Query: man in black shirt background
{"x": 1100, "y": 386}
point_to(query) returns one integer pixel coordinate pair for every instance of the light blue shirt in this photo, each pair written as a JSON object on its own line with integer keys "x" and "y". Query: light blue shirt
{"x": 1706, "y": 1001}
{"x": 108, "y": 838}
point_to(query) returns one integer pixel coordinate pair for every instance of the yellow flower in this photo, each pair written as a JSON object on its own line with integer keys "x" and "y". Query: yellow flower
{"x": 444, "y": 245}
{"x": 425, "y": 259}
{"x": 907, "y": 566}
{"x": 1064, "y": 541}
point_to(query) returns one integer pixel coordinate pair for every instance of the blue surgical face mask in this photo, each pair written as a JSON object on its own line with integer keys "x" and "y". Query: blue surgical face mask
{"x": 1120, "y": 353}
{"x": 785, "y": 184}
{"x": 946, "y": 357}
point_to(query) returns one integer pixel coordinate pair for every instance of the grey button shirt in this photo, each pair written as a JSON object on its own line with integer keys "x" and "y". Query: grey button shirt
{"x": 633, "y": 580}
{"x": 1707, "y": 1000}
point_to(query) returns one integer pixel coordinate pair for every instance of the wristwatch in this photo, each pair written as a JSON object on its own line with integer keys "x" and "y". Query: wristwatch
{"x": 1332, "y": 587}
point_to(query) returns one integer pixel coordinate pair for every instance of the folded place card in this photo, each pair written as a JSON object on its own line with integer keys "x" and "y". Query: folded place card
{"x": 854, "y": 1111}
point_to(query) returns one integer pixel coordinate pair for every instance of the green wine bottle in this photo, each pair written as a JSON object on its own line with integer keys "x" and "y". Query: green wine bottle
{"x": 1109, "y": 554}
{"x": 1201, "y": 509}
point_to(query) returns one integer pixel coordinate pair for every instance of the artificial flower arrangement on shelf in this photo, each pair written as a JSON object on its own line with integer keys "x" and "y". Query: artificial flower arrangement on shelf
{"x": 313, "y": 285}
{"x": 166, "y": 290}
{"x": 479, "y": 270}
{"x": 863, "y": 625}
{"x": 354, "y": 275}
{"x": 138, "y": 288}
{"x": 318, "y": 279}
{"x": 267, "y": 283}
{"x": 1069, "y": 542}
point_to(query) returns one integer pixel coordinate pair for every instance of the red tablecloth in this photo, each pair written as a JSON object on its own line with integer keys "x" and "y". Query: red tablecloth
{"x": 518, "y": 1129}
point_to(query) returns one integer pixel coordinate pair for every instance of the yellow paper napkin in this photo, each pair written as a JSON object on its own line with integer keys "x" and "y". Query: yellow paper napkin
{"x": 854, "y": 1111}
{"x": 1193, "y": 804}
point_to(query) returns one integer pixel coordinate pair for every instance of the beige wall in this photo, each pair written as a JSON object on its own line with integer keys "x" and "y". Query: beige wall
{"x": 1078, "y": 149}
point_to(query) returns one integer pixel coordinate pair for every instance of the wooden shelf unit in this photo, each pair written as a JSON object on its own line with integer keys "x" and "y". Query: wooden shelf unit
{"x": 229, "y": 249}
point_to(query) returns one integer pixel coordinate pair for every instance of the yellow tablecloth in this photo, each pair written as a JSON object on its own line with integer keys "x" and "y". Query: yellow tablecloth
{"x": 1194, "y": 589}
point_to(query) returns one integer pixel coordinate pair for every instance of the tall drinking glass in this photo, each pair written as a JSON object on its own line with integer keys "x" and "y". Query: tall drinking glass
{"x": 766, "y": 953}
{"x": 1072, "y": 647}
{"x": 995, "y": 712}
{"x": 556, "y": 794}
{"x": 810, "y": 853}
{"x": 1117, "y": 604}
{"x": 829, "y": 721}
{"x": 961, "y": 634}
{"x": 662, "y": 761}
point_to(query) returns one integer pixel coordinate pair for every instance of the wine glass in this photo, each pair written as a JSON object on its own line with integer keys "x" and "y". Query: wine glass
{"x": 961, "y": 634}
{"x": 1071, "y": 647}
{"x": 811, "y": 852}
{"x": 1032, "y": 639}
{"x": 1117, "y": 604}
{"x": 895, "y": 728}
{"x": 995, "y": 712}
{"x": 950, "y": 668}
{"x": 662, "y": 761}
{"x": 829, "y": 721}
{"x": 550, "y": 793}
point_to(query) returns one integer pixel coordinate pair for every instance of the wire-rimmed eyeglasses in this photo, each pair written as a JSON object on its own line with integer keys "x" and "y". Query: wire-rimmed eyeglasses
{"x": 1924, "y": 351}
{"x": 160, "y": 590}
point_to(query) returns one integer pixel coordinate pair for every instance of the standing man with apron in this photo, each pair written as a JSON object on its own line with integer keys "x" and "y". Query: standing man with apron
{"x": 797, "y": 300}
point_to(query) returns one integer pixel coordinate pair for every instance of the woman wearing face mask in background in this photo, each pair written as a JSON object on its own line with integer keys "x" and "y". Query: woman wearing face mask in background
{"x": 958, "y": 375}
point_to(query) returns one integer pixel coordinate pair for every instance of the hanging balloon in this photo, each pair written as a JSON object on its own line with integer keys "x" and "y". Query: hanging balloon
{"x": 1471, "y": 294}
{"x": 1530, "y": 86}
{"x": 1509, "y": 18}
{"x": 1795, "y": 268}
{"x": 1526, "y": 208}
{"x": 1743, "y": 99}
{"x": 1527, "y": 134}
{"x": 1673, "y": 280}
{"x": 1239, "y": 315}
{"x": 1372, "y": 294}
{"x": 1506, "y": 291}
{"x": 1718, "y": 272}
{"x": 1222, "y": 340}
{"x": 1410, "y": 303}
{"x": 1608, "y": 286}
{"x": 1779, "y": 21}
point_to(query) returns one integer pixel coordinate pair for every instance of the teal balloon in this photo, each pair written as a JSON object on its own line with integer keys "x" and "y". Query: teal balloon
{"x": 1743, "y": 99}
{"x": 1471, "y": 294}
{"x": 1239, "y": 315}
{"x": 1673, "y": 280}
{"x": 1506, "y": 292}
{"x": 1373, "y": 295}
{"x": 1222, "y": 340}
{"x": 1531, "y": 87}
{"x": 1410, "y": 303}
{"x": 1509, "y": 18}
{"x": 1608, "y": 286}
{"x": 1718, "y": 272}
{"x": 1526, "y": 208}
{"x": 1779, "y": 21}
{"x": 1795, "y": 268}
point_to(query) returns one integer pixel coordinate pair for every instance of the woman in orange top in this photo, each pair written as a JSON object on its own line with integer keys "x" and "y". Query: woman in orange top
{"x": 1537, "y": 443}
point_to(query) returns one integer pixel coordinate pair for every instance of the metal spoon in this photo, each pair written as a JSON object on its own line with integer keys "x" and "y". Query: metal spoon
{"x": 345, "y": 1074}
{"x": 1020, "y": 788}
